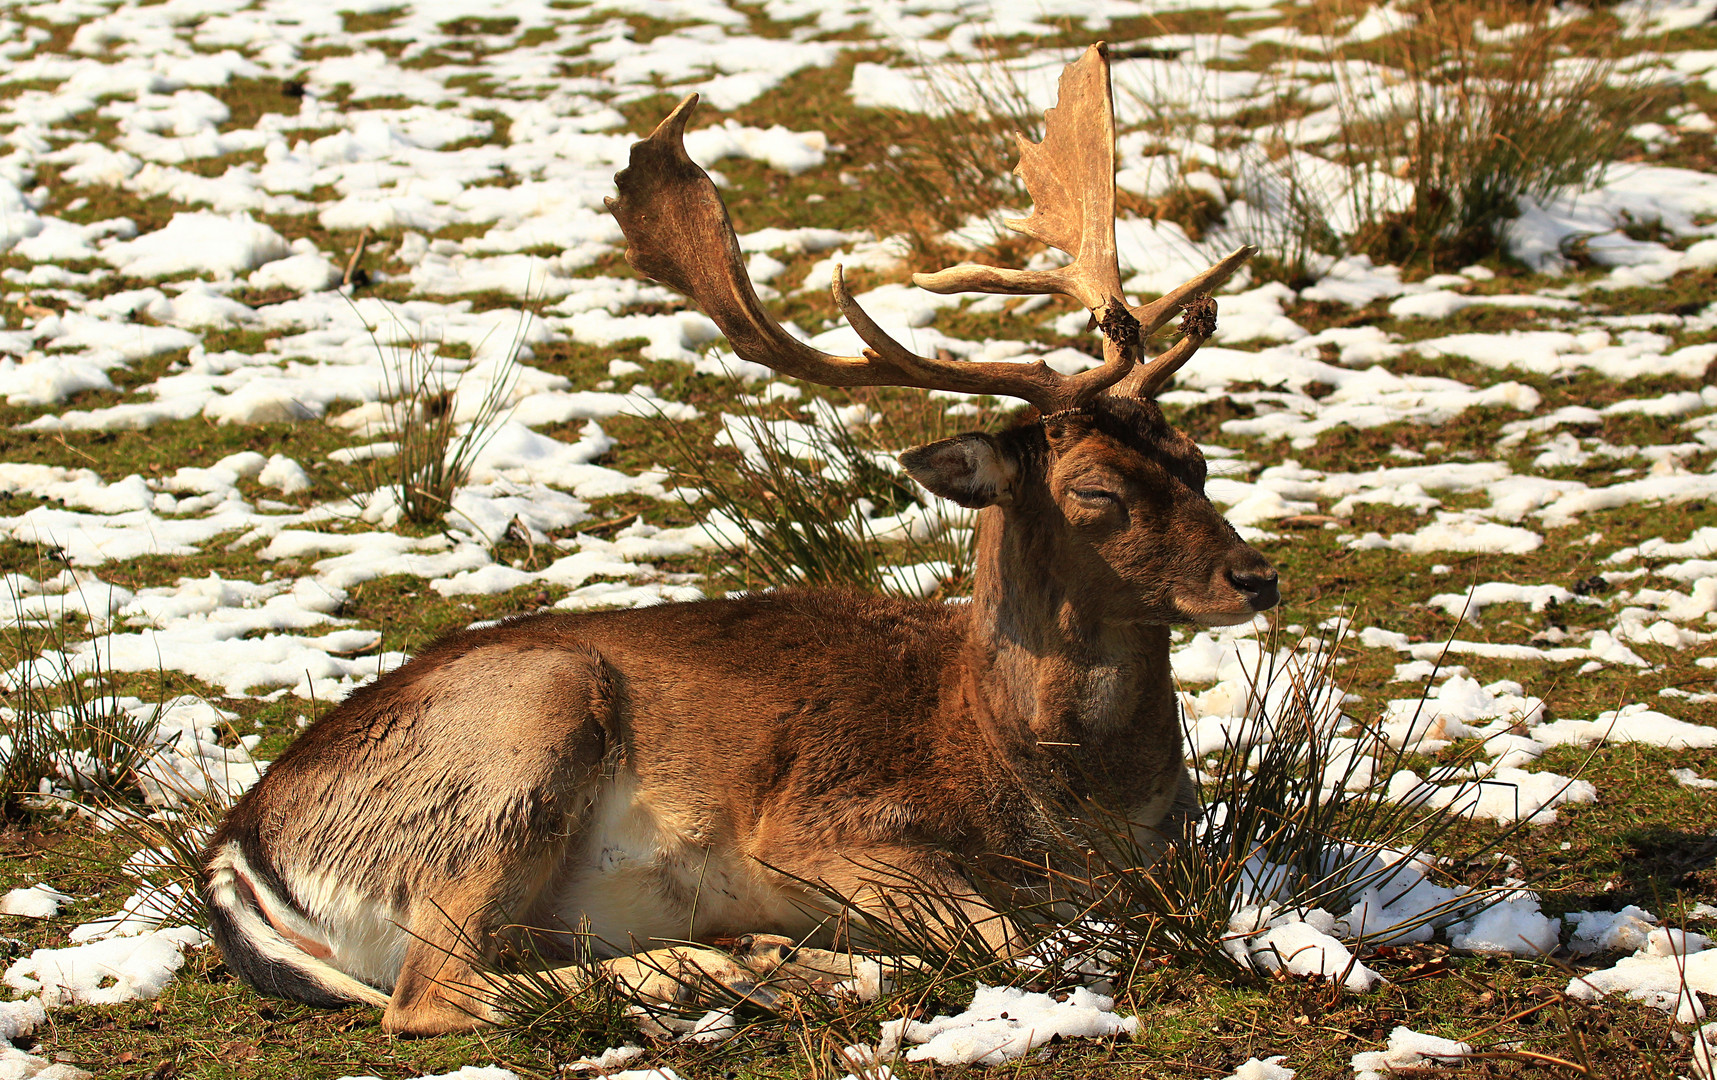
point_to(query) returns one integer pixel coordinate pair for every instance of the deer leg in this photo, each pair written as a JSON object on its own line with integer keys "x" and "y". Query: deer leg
{"x": 680, "y": 978}
{"x": 798, "y": 969}
{"x": 956, "y": 910}
{"x": 447, "y": 982}
{"x": 689, "y": 976}
{"x": 765, "y": 970}
{"x": 1177, "y": 826}
{"x": 769, "y": 970}
{"x": 440, "y": 988}
{"x": 510, "y": 824}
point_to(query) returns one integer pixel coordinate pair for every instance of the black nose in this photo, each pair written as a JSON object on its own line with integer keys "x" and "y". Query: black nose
{"x": 1258, "y": 586}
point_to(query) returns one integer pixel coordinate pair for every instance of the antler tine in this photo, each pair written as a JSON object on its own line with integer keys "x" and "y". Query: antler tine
{"x": 1153, "y": 315}
{"x": 1035, "y": 381}
{"x": 1194, "y": 296}
{"x": 1071, "y": 178}
{"x": 1146, "y": 379}
{"x": 679, "y": 233}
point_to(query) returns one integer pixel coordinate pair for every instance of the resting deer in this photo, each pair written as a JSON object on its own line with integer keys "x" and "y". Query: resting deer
{"x": 696, "y": 771}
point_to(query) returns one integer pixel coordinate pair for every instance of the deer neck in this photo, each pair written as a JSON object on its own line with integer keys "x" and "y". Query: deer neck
{"x": 1053, "y": 668}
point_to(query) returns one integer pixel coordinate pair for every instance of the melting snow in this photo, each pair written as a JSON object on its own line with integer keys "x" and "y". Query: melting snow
{"x": 327, "y": 355}
{"x": 104, "y": 972}
{"x": 35, "y": 902}
{"x": 1003, "y": 1023}
{"x": 1299, "y": 943}
{"x": 1408, "y": 1049}
{"x": 1669, "y": 971}
{"x": 1266, "y": 1069}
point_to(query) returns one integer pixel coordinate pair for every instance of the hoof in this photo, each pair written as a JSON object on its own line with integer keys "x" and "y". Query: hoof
{"x": 755, "y": 993}
{"x": 764, "y": 953}
{"x": 423, "y": 1022}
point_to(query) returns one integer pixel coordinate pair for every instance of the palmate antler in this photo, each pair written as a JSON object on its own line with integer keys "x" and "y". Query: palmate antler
{"x": 678, "y": 232}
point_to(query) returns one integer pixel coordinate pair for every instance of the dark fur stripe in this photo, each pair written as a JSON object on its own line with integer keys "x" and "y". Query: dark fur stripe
{"x": 266, "y": 974}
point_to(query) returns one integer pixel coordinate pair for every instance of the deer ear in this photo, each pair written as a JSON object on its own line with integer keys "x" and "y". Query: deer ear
{"x": 973, "y": 470}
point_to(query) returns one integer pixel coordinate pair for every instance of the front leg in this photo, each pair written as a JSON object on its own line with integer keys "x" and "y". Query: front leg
{"x": 767, "y": 971}
{"x": 800, "y": 969}
{"x": 679, "y": 978}
{"x": 1175, "y": 828}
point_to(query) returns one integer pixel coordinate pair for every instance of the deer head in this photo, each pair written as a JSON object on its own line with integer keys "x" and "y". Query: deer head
{"x": 1098, "y": 496}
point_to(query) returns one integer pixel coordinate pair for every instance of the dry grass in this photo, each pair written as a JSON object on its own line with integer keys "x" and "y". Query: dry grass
{"x": 63, "y": 726}
{"x": 1476, "y": 119}
{"x": 436, "y": 441}
{"x": 804, "y": 498}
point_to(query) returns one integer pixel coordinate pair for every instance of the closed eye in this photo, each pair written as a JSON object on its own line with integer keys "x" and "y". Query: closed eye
{"x": 1097, "y": 495}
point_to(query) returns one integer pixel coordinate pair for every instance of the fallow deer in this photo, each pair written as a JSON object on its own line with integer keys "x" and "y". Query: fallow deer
{"x": 688, "y": 772}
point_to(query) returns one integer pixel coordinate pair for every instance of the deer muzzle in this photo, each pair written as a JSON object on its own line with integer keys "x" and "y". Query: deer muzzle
{"x": 1256, "y": 584}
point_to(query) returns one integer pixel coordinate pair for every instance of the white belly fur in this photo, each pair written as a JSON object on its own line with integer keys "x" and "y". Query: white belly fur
{"x": 643, "y": 879}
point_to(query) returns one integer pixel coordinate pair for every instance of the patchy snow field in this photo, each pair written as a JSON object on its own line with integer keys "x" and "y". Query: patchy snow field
{"x": 228, "y": 228}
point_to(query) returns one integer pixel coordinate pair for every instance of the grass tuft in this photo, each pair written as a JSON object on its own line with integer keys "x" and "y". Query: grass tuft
{"x": 1291, "y": 818}
{"x": 64, "y": 729}
{"x": 437, "y": 435}
{"x": 815, "y": 501}
{"x": 1476, "y": 125}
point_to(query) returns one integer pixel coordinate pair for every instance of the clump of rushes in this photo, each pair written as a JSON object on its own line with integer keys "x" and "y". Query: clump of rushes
{"x": 166, "y": 845}
{"x": 1477, "y": 121}
{"x": 1288, "y": 817}
{"x": 436, "y": 440}
{"x": 585, "y": 1018}
{"x": 814, "y": 500}
{"x": 70, "y": 741}
{"x": 1436, "y": 132}
{"x": 63, "y": 726}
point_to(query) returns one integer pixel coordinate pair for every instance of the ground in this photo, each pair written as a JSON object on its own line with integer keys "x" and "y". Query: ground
{"x": 247, "y": 250}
